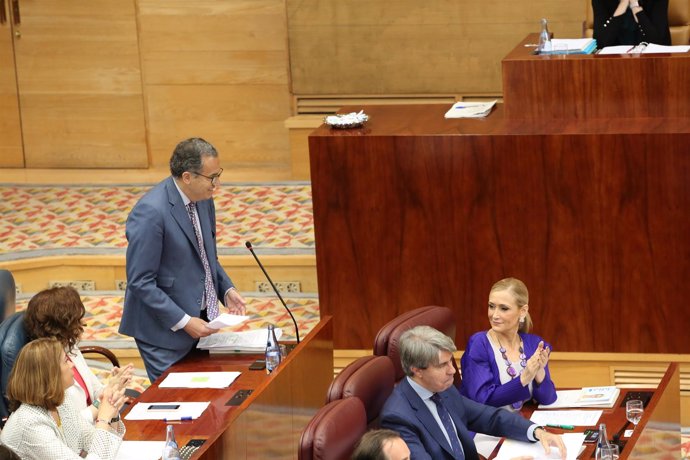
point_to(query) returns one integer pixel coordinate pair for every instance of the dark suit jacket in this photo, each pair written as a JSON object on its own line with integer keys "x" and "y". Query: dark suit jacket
{"x": 406, "y": 413}
{"x": 165, "y": 275}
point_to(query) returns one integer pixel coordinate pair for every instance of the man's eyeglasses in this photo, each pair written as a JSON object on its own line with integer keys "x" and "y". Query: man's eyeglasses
{"x": 214, "y": 178}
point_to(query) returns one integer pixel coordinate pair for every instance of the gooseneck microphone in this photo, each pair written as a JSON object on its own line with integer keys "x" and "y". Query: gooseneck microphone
{"x": 249, "y": 246}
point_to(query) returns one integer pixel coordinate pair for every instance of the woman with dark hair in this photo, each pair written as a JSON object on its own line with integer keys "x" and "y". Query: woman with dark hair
{"x": 59, "y": 313}
{"x": 506, "y": 366}
{"x": 630, "y": 22}
{"x": 43, "y": 423}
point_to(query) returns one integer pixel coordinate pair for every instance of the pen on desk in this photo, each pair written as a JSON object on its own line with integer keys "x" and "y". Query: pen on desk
{"x": 562, "y": 427}
{"x": 178, "y": 419}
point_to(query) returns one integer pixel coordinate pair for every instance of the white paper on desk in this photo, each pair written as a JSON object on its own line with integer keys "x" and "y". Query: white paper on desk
{"x": 140, "y": 450}
{"x": 485, "y": 444}
{"x": 226, "y": 319}
{"x": 566, "y": 417}
{"x": 510, "y": 448}
{"x": 470, "y": 109}
{"x": 187, "y": 409}
{"x": 241, "y": 341}
{"x": 199, "y": 379}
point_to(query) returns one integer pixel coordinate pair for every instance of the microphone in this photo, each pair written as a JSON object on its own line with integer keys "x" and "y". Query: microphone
{"x": 249, "y": 246}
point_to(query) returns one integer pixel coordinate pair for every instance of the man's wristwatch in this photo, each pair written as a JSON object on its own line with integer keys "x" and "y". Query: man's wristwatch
{"x": 115, "y": 419}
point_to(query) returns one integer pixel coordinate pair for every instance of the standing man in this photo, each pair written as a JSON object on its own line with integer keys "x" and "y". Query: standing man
{"x": 431, "y": 415}
{"x": 174, "y": 279}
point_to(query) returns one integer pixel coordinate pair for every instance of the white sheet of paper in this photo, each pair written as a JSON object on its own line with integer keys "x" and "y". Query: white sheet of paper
{"x": 566, "y": 417}
{"x": 510, "y": 448}
{"x": 192, "y": 410}
{"x": 485, "y": 444}
{"x": 199, "y": 379}
{"x": 255, "y": 339}
{"x": 226, "y": 319}
{"x": 140, "y": 450}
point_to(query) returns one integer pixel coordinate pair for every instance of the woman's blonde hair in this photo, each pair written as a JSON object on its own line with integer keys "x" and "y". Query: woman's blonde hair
{"x": 36, "y": 377}
{"x": 519, "y": 291}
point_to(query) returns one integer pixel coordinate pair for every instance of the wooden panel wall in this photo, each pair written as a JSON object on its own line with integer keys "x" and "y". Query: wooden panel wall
{"x": 11, "y": 153}
{"x": 217, "y": 69}
{"x": 407, "y": 46}
{"x": 80, "y": 85}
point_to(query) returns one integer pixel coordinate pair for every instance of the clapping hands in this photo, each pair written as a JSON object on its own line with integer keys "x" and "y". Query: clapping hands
{"x": 536, "y": 364}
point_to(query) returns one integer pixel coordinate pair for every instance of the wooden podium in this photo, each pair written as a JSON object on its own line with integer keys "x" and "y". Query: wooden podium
{"x": 592, "y": 213}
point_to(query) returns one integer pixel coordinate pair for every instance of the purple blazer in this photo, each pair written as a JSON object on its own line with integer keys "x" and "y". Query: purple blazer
{"x": 481, "y": 379}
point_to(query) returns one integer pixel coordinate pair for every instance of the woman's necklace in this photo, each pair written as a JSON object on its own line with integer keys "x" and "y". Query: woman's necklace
{"x": 517, "y": 405}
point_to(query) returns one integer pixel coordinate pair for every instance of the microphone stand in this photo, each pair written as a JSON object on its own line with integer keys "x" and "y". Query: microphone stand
{"x": 249, "y": 246}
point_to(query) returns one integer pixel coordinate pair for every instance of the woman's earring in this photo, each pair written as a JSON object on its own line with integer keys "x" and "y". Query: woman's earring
{"x": 522, "y": 319}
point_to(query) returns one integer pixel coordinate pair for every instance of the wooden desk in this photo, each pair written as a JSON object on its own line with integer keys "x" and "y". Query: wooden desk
{"x": 268, "y": 424}
{"x": 657, "y": 436}
{"x": 593, "y": 215}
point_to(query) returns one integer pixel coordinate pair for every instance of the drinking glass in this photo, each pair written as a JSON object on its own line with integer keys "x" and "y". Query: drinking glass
{"x": 610, "y": 452}
{"x": 633, "y": 411}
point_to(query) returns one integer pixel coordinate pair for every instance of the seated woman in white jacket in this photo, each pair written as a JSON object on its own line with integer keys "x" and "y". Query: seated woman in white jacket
{"x": 43, "y": 424}
{"x": 59, "y": 312}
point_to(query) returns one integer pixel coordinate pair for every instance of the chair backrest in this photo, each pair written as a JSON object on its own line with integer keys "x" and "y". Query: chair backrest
{"x": 371, "y": 379}
{"x": 387, "y": 341}
{"x": 12, "y": 339}
{"x": 678, "y": 21}
{"x": 334, "y": 431}
{"x": 8, "y": 294}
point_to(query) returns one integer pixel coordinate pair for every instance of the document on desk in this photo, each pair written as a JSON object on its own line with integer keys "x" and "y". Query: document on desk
{"x": 178, "y": 411}
{"x": 199, "y": 379}
{"x": 604, "y": 397}
{"x": 511, "y": 449}
{"x": 237, "y": 342}
{"x": 470, "y": 109}
{"x": 140, "y": 450}
{"x": 644, "y": 48}
{"x": 566, "y": 417}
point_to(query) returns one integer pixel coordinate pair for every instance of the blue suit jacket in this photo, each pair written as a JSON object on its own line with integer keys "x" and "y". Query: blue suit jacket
{"x": 165, "y": 275}
{"x": 406, "y": 413}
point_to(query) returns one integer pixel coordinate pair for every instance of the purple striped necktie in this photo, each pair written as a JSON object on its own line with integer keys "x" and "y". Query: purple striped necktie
{"x": 209, "y": 290}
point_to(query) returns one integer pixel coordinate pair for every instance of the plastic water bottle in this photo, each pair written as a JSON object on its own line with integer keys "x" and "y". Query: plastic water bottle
{"x": 544, "y": 38}
{"x": 272, "y": 350}
{"x": 170, "y": 451}
{"x": 602, "y": 440}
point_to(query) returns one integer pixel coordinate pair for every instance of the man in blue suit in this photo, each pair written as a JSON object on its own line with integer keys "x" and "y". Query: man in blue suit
{"x": 433, "y": 418}
{"x": 174, "y": 278}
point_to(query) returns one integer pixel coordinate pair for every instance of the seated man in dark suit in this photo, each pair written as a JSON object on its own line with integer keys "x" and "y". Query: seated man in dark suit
{"x": 433, "y": 418}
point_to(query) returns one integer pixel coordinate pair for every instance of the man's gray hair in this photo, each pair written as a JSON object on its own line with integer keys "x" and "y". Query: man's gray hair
{"x": 420, "y": 345}
{"x": 188, "y": 155}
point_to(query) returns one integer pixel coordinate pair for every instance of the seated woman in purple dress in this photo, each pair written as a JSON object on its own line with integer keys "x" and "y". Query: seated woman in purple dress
{"x": 506, "y": 366}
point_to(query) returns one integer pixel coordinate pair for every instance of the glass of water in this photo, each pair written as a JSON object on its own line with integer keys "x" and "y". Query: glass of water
{"x": 610, "y": 452}
{"x": 633, "y": 411}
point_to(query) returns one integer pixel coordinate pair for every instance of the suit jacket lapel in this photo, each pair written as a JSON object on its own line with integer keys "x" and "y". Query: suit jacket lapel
{"x": 180, "y": 214}
{"x": 424, "y": 415}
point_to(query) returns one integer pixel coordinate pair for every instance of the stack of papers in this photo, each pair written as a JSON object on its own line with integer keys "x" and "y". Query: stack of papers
{"x": 570, "y": 418}
{"x": 237, "y": 342}
{"x": 586, "y": 397}
{"x": 226, "y": 319}
{"x": 572, "y": 46}
{"x": 470, "y": 109}
{"x": 644, "y": 48}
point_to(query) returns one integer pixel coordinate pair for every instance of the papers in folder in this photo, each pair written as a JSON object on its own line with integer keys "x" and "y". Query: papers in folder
{"x": 571, "y": 46}
{"x": 237, "y": 342}
{"x": 586, "y": 397}
{"x": 470, "y": 109}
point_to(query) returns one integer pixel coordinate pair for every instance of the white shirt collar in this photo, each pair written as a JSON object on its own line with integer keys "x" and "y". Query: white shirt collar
{"x": 420, "y": 390}
{"x": 185, "y": 200}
